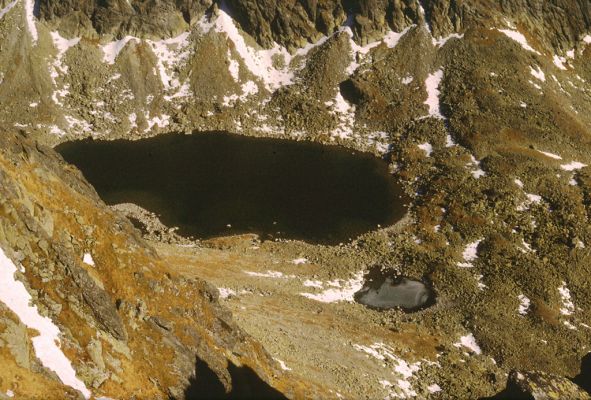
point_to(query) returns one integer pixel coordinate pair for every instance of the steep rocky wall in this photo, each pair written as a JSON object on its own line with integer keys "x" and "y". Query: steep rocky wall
{"x": 117, "y": 18}
{"x": 558, "y": 23}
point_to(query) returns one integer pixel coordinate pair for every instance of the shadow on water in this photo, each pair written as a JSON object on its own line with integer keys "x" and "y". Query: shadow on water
{"x": 218, "y": 184}
{"x": 246, "y": 385}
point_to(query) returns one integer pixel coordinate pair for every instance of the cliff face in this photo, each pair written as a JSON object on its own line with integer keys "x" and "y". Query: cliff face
{"x": 557, "y": 23}
{"x": 128, "y": 327}
{"x": 117, "y": 18}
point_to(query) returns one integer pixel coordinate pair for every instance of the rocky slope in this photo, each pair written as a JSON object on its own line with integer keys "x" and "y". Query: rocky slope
{"x": 483, "y": 109}
{"x": 121, "y": 315}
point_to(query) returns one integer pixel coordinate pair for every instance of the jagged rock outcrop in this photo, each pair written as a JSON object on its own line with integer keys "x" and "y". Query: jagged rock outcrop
{"x": 557, "y": 24}
{"x": 117, "y": 18}
{"x": 292, "y": 23}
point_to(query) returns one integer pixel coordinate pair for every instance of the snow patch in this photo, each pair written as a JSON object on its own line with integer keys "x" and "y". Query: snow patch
{"x": 87, "y": 259}
{"x": 519, "y": 183}
{"x": 535, "y": 85}
{"x": 346, "y": 116}
{"x": 442, "y": 41}
{"x": 183, "y": 91}
{"x": 344, "y": 290}
{"x": 269, "y": 274}
{"x": 316, "y": 284}
{"x": 538, "y": 73}
{"x": 432, "y": 85}
{"x": 132, "y": 120}
{"x": 226, "y": 292}
{"x": 112, "y": 49}
{"x": 427, "y": 148}
{"x": 449, "y": 141}
{"x": 249, "y": 88}
{"x": 479, "y": 282}
{"x": 46, "y": 345}
{"x": 170, "y": 54}
{"x": 574, "y": 165}
{"x": 434, "y": 388}
{"x": 161, "y": 121}
{"x": 358, "y": 53}
{"x": 62, "y": 45}
{"x": 477, "y": 172}
{"x": 29, "y": 15}
{"x": 379, "y": 140}
{"x": 568, "y": 307}
{"x": 300, "y": 260}
{"x": 526, "y": 247}
{"x": 559, "y": 62}
{"x": 470, "y": 254}
{"x": 407, "y": 80}
{"x": 260, "y": 63}
{"x": 569, "y": 325}
{"x": 524, "y": 304}
{"x": 233, "y": 67}
{"x": 534, "y": 198}
{"x": 551, "y": 155}
{"x": 392, "y": 38}
{"x": 55, "y": 130}
{"x": 402, "y": 371}
{"x": 6, "y": 9}
{"x": 469, "y": 342}
{"x": 519, "y": 38}
{"x": 283, "y": 365}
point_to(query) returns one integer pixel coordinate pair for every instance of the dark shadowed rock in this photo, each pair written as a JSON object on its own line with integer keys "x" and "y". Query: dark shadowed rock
{"x": 540, "y": 386}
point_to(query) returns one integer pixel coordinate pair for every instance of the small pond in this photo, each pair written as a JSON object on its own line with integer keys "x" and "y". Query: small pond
{"x": 383, "y": 290}
{"x": 216, "y": 184}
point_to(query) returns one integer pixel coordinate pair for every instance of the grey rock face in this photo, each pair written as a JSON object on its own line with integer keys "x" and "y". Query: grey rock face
{"x": 292, "y": 23}
{"x": 98, "y": 300}
{"x": 557, "y": 23}
{"x": 120, "y": 17}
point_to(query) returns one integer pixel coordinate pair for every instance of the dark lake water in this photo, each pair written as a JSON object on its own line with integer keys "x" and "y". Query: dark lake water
{"x": 215, "y": 184}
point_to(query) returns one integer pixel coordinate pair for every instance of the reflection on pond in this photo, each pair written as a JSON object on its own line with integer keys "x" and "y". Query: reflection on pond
{"x": 384, "y": 291}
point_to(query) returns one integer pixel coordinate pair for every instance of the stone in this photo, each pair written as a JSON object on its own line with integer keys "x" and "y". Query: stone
{"x": 540, "y": 386}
